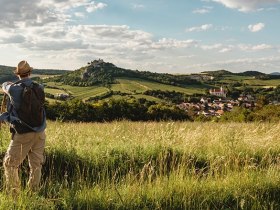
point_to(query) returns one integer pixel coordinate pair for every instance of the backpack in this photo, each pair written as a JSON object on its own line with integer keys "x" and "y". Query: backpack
{"x": 31, "y": 109}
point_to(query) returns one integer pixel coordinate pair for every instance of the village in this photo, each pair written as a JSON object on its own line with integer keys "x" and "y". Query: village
{"x": 217, "y": 107}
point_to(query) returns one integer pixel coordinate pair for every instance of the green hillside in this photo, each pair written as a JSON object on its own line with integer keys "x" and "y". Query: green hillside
{"x": 123, "y": 88}
{"x": 6, "y": 73}
{"x": 100, "y": 72}
{"x": 101, "y": 80}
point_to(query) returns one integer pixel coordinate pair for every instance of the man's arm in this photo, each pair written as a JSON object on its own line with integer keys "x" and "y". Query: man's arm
{"x": 3, "y": 114}
{"x": 6, "y": 86}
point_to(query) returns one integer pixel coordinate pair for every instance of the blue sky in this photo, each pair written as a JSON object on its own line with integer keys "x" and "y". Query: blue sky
{"x": 153, "y": 35}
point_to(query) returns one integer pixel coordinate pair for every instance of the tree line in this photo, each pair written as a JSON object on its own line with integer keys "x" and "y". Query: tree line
{"x": 104, "y": 111}
{"x": 144, "y": 110}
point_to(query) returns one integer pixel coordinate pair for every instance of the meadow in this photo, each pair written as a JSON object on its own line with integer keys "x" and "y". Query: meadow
{"x": 155, "y": 165}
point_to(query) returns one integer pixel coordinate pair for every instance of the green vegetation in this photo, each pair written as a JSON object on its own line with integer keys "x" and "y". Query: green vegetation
{"x": 81, "y": 93}
{"x": 114, "y": 109}
{"x": 269, "y": 113}
{"x": 132, "y": 88}
{"x": 6, "y": 74}
{"x": 129, "y": 84}
{"x": 105, "y": 81}
{"x": 218, "y": 73}
{"x": 142, "y": 109}
{"x": 100, "y": 72}
{"x": 165, "y": 165}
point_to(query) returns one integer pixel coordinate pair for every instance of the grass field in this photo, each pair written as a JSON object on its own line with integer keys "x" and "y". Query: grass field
{"x": 270, "y": 83}
{"x": 251, "y": 81}
{"x": 143, "y": 85}
{"x": 164, "y": 165}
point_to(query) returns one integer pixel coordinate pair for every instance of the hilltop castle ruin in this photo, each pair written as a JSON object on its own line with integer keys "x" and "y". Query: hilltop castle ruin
{"x": 91, "y": 66}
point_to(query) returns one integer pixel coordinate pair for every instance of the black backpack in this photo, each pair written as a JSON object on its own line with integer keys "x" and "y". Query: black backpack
{"x": 31, "y": 109}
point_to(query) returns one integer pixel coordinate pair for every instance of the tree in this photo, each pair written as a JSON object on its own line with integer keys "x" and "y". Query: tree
{"x": 261, "y": 101}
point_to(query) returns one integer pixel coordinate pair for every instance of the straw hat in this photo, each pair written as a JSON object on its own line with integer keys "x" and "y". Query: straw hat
{"x": 23, "y": 68}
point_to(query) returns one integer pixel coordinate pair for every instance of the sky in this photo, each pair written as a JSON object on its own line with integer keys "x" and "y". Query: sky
{"x": 179, "y": 36}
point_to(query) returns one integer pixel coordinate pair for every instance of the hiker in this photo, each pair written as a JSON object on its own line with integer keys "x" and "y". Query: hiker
{"x": 27, "y": 122}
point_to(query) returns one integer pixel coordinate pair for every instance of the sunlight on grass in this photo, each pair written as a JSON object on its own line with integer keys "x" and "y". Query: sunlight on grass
{"x": 163, "y": 165}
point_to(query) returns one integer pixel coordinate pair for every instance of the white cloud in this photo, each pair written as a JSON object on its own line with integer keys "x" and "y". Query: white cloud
{"x": 173, "y": 43}
{"x": 204, "y": 27}
{"x": 60, "y": 4}
{"x": 220, "y": 47}
{"x": 260, "y": 47}
{"x": 226, "y": 49}
{"x": 53, "y": 45}
{"x": 42, "y": 12}
{"x": 201, "y": 11}
{"x": 92, "y": 6}
{"x": 84, "y": 41}
{"x": 247, "y": 5}
{"x": 211, "y": 47}
{"x": 243, "y": 47}
{"x": 12, "y": 39}
{"x": 138, "y": 6}
{"x": 257, "y": 27}
{"x": 242, "y": 64}
{"x": 79, "y": 14}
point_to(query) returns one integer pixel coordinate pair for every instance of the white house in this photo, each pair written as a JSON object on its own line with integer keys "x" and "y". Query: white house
{"x": 218, "y": 92}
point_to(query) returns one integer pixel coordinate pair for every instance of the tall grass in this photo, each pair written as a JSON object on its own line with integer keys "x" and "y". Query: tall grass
{"x": 165, "y": 165}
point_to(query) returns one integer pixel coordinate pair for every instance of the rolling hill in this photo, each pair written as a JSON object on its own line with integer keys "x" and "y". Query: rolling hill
{"x": 100, "y": 72}
{"x": 275, "y": 73}
{"x": 101, "y": 80}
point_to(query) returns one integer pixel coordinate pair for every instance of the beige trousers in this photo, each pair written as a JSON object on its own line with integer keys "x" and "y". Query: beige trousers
{"x": 29, "y": 144}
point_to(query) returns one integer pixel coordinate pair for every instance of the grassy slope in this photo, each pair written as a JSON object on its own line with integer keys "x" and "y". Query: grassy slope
{"x": 166, "y": 165}
{"x": 78, "y": 92}
{"x": 143, "y": 85}
{"x": 250, "y": 81}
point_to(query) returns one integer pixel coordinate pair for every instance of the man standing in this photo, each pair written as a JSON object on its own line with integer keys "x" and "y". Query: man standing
{"x": 27, "y": 119}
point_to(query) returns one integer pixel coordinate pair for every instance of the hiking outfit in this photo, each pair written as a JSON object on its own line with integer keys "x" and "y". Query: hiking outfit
{"x": 26, "y": 140}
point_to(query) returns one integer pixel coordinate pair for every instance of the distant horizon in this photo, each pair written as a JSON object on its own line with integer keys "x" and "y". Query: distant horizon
{"x": 35, "y": 68}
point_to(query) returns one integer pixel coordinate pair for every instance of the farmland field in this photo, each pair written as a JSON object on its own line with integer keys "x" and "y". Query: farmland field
{"x": 81, "y": 93}
{"x": 138, "y": 85}
{"x": 251, "y": 81}
{"x": 271, "y": 83}
{"x": 132, "y": 87}
{"x": 163, "y": 165}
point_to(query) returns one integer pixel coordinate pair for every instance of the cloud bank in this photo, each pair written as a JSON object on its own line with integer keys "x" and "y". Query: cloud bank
{"x": 247, "y": 5}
